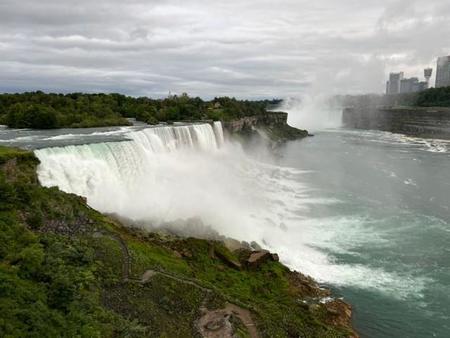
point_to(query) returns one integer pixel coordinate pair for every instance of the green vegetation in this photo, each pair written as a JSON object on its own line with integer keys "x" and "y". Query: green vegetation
{"x": 69, "y": 271}
{"x": 434, "y": 97}
{"x": 77, "y": 110}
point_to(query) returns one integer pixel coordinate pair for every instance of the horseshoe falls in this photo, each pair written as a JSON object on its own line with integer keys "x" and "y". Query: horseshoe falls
{"x": 365, "y": 213}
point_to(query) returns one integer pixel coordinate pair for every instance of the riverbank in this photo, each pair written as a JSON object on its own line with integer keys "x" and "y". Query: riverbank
{"x": 86, "y": 274}
{"x": 427, "y": 122}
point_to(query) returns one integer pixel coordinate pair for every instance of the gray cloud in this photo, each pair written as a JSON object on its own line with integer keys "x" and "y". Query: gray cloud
{"x": 256, "y": 48}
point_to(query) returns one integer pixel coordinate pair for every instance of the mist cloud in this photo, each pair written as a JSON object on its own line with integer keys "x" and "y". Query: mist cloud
{"x": 256, "y": 48}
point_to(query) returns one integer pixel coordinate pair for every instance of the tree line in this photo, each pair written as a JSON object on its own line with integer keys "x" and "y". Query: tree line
{"x": 79, "y": 110}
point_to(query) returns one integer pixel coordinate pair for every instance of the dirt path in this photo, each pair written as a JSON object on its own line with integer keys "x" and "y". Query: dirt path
{"x": 212, "y": 323}
{"x": 150, "y": 273}
{"x": 126, "y": 260}
{"x": 246, "y": 317}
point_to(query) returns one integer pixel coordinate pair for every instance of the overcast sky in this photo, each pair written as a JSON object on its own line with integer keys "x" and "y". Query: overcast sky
{"x": 242, "y": 48}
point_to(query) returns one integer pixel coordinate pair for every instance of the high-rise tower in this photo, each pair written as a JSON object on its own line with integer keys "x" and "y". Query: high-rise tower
{"x": 427, "y": 72}
{"x": 443, "y": 72}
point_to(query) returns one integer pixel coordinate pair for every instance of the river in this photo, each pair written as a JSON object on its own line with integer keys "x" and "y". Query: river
{"x": 365, "y": 213}
{"x": 387, "y": 227}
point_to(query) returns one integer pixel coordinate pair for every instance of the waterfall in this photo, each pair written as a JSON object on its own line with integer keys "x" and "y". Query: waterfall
{"x": 120, "y": 176}
{"x": 166, "y": 139}
{"x": 218, "y": 131}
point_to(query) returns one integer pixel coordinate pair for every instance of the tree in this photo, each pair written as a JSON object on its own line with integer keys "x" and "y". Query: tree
{"x": 31, "y": 116}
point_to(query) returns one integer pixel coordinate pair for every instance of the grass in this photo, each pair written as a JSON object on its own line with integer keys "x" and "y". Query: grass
{"x": 61, "y": 272}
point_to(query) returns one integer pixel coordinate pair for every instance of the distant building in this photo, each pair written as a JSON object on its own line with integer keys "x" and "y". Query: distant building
{"x": 443, "y": 72}
{"x": 427, "y": 72}
{"x": 393, "y": 85}
{"x": 397, "y": 84}
{"x": 409, "y": 85}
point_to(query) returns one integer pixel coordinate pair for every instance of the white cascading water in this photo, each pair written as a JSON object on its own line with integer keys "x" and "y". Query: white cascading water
{"x": 177, "y": 172}
{"x": 130, "y": 178}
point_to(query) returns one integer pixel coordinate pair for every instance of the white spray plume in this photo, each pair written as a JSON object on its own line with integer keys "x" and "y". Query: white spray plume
{"x": 313, "y": 113}
{"x": 166, "y": 174}
{"x": 317, "y": 107}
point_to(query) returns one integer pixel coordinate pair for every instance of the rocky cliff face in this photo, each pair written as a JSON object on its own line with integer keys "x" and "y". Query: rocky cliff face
{"x": 415, "y": 121}
{"x": 273, "y": 124}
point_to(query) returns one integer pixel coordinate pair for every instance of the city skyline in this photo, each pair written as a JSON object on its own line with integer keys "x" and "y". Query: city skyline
{"x": 399, "y": 84}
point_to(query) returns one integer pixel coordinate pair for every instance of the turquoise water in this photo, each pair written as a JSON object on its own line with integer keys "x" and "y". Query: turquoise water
{"x": 365, "y": 213}
{"x": 391, "y": 198}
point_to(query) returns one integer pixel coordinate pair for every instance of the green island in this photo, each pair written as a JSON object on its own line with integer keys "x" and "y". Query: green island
{"x": 70, "y": 271}
{"x": 40, "y": 110}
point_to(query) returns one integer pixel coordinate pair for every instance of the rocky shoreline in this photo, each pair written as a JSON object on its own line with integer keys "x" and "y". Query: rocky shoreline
{"x": 242, "y": 256}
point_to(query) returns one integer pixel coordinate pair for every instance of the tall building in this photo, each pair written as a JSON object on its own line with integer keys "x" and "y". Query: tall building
{"x": 393, "y": 85}
{"x": 398, "y": 84}
{"x": 443, "y": 72}
{"x": 409, "y": 85}
{"x": 427, "y": 72}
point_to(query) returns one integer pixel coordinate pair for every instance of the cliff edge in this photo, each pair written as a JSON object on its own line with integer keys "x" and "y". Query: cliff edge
{"x": 67, "y": 270}
{"x": 427, "y": 122}
{"x": 273, "y": 125}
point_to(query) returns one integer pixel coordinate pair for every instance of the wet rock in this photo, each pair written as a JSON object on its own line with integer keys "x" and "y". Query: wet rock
{"x": 257, "y": 258}
{"x": 246, "y": 245}
{"x": 339, "y": 313}
{"x": 256, "y": 246}
{"x": 305, "y": 287}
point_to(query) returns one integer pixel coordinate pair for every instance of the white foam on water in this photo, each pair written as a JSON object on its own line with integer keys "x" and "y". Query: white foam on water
{"x": 168, "y": 173}
{"x": 20, "y": 139}
{"x": 70, "y": 136}
{"x": 425, "y": 144}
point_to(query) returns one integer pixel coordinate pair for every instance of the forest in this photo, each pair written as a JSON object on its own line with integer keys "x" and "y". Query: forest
{"x": 39, "y": 110}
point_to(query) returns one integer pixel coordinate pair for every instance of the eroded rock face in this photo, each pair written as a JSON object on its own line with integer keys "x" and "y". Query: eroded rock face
{"x": 273, "y": 124}
{"x": 305, "y": 287}
{"x": 425, "y": 122}
{"x": 339, "y": 313}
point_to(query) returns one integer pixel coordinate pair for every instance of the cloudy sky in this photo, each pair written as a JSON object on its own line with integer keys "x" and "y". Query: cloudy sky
{"x": 242, "y": 48}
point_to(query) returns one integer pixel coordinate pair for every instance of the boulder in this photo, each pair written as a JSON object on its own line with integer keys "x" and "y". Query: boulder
{"x": 275, "y": 257}
{"x": 257, "y": 258}
{"x": 227, "y": 259}
{"x": 256, "y": 246}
